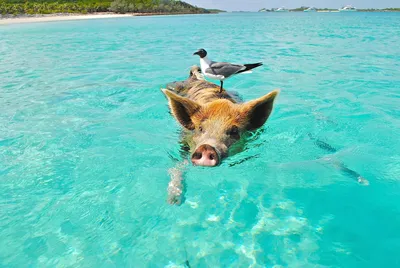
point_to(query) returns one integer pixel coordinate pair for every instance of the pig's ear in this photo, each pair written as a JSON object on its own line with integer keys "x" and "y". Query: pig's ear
{"x": 182, "y": 108}
{"x": 256, "y": 112}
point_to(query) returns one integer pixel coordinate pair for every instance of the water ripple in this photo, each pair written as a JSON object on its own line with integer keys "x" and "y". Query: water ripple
{"x": 86, "y": 142}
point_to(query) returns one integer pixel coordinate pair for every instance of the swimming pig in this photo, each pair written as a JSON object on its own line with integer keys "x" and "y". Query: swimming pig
{"x": 212, "y": 120}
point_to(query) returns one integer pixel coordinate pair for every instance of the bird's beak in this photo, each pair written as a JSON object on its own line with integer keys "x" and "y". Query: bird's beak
{"x": 196, "y": 53}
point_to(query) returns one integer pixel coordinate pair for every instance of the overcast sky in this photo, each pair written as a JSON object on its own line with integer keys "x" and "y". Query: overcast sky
{"x": 254, "y": 5}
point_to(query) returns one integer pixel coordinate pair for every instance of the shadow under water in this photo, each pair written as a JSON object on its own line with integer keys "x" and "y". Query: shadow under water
{"x": 337, "y": 164}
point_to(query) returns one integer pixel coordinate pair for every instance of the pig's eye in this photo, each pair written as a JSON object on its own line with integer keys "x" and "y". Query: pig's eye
{"x": 234, "y": 132}
{"x": 200, "y": 129}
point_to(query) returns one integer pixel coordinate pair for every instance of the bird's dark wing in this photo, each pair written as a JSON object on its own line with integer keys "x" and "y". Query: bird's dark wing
{"x": 225, "y": 69}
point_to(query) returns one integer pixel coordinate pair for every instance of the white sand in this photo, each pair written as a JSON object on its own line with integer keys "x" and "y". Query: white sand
{"x": 61, "y": 18}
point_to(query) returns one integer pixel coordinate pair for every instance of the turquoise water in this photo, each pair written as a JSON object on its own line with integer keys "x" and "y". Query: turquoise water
{"x": 86, "y": 142}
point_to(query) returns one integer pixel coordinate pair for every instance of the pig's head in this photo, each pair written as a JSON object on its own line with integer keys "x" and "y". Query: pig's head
{"x": 217, "y": 125}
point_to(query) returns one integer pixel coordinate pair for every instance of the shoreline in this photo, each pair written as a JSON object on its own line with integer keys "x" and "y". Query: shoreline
{"x": 59, "y": 17}
{"x": 19, "y": 19}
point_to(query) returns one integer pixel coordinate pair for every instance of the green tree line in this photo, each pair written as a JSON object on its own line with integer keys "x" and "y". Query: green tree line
{"x": 154, "y": 6}
{"x": 18, "y": 7}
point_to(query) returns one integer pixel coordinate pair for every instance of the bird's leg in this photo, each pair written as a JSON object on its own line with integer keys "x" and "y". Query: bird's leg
{"x": 220, "y": 89}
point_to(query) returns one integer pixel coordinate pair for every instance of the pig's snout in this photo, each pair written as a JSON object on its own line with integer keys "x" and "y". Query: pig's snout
{"x": 205, "y": 155}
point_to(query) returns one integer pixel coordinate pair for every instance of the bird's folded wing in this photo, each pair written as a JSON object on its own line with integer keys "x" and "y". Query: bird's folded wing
{"x": 224, "y": 68}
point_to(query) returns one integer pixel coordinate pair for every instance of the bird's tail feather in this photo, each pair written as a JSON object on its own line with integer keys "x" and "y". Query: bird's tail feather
{"x": 250, "y": 66}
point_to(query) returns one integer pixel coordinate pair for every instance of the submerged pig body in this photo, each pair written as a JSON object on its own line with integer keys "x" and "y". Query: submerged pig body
{"x": 214, "y": 120}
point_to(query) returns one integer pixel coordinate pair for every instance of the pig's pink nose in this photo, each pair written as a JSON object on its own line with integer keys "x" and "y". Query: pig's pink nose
{"x": 205, "y": 155}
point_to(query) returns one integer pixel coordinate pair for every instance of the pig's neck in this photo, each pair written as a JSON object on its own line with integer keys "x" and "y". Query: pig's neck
{"x": 205, "y": 92}
{"x": 202, "y": 91}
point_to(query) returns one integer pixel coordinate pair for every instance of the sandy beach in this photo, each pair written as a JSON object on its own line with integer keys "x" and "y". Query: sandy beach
{"x": 47, "y": 18}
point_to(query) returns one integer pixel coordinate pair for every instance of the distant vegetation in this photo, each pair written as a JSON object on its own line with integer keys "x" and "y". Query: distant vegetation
{"x": 327, "y": 9}
{"x": 18, "y": 7}
{"x": 151, "y": 6}
{"x": 302, "y": 8}
{"x": 216, "y": 10}
{"x": 380, "y": 10}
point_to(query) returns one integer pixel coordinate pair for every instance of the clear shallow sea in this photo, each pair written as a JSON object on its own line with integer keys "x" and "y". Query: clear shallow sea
{"x": 86, "y": 141}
